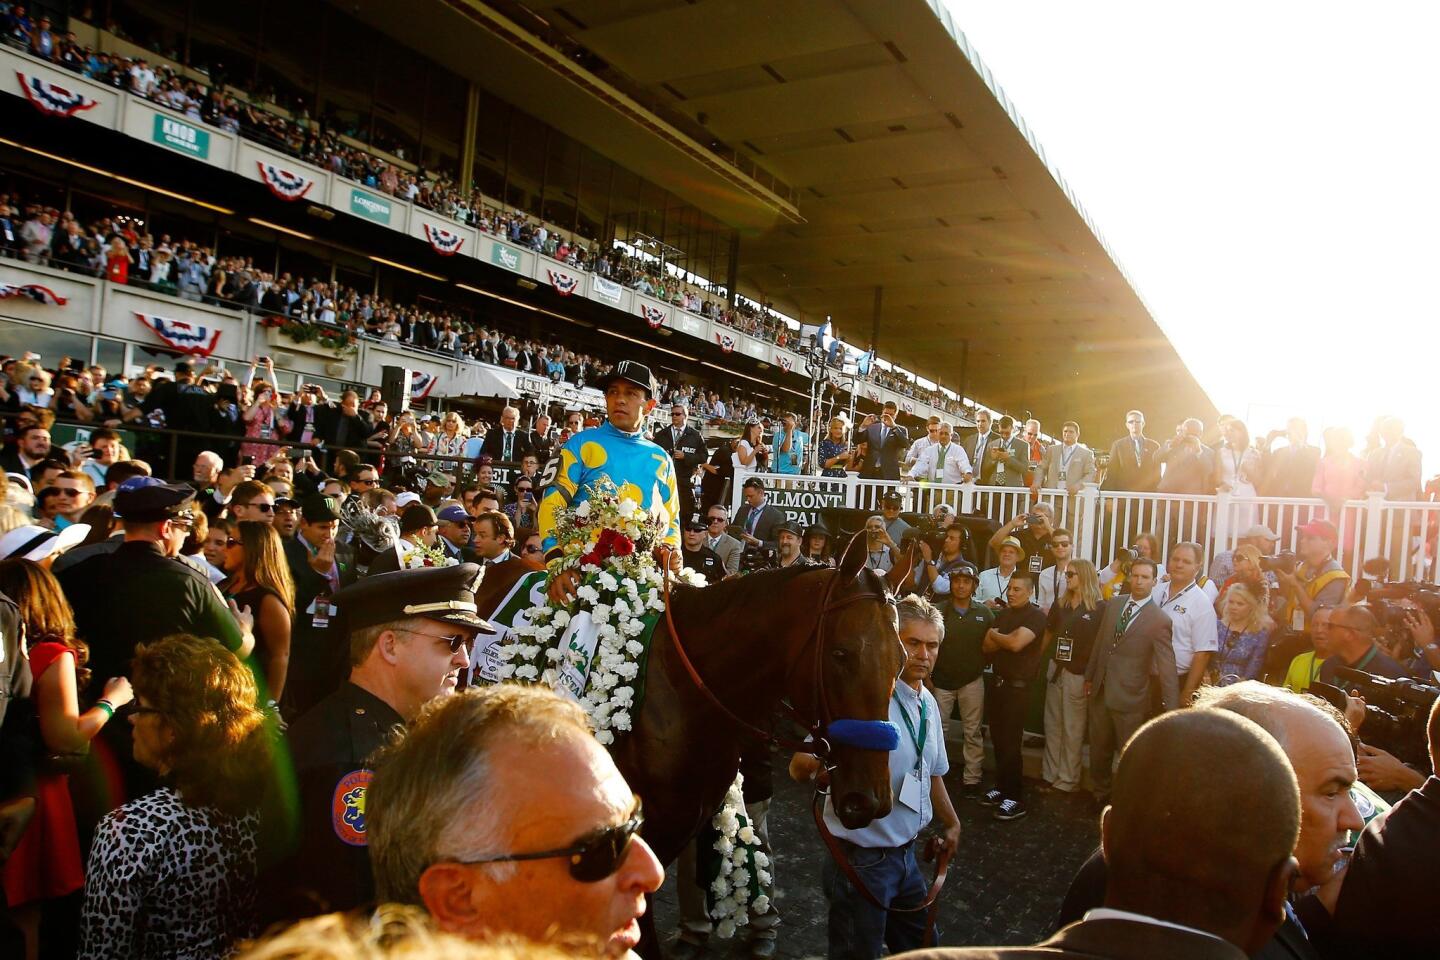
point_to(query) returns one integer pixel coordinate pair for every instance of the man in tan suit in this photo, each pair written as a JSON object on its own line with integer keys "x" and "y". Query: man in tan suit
{"x": 1069, "y": 463}
{"x": 1132, "y": 650}
{"x": 1189, "y": 880}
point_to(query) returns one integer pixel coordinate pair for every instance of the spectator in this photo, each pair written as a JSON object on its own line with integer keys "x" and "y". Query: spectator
{"x": 789, "y": 445}
{"x": 1115, "y": 577}
{"x": 1189, "y": 599}
{"x": 879, "y": 550}
{"x": 994, "y": 585}
{"x": 547, "y": 782}
{"x": 105, "y": 450}
{"x": 1240, "y": 465}
{"x": 450, "y": 441}
{"x": 885, "y": 849}
{"x": 343, "y": 424}
{"x": 523, "y": 507}
{"x": 1259, "y": 536}
{"x": 508, "y": 444}
{"x": 757, "y": 519}
{"x": 46, "y": 865}
{"x": 726, "y": 547}
{"x": 958, "y": 681}
{"x": 921, "y": 444}
{"x": 1069, "y": 463}
{"x": 252, "y": 500}
{"x": 896, "y": 528}
{"x": 1052, "y": 582}
{"x": 1291, "y": 470}
{"x": 31, "y": 449}
{"x": 1304, "y": 668}
{"x": 1070, "y": 630}
{"x": 834, "y": 450}
{"x": 932, "y": 575}
{"x": 886, "y": 442}
{"x": 977, "y": 443}
{"x": 494, "y": 538}
{"x": 1339, "y": 477}
{"x": 263, "y": 421}
{"x": 687, "y": 448}
{"x": 1190, "y": 466}
{"x": 1132, "y": 646}
{"x": 1015, "y": 642}
{"x": 1007, "y": 458}
{"x": 76, "y": 491}
{"x": 943, "y": 461}
{"x": 259, "y": 580}
{"x": 1319, "y": 579}
{"x": 172, "y": 874}
{"x": 1394, "y": 468}
{"x": 1352, "y": 636}
{"x": 1243, "y": 636}
{"x": 750, "y": 449}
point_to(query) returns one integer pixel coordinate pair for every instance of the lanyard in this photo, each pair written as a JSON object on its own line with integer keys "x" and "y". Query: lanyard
{"x": 917, "y": 739}
{"x": 1065, "y": 459}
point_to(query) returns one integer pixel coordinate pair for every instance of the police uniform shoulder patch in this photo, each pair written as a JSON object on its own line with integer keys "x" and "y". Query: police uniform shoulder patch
{"x": 347, "y": 807}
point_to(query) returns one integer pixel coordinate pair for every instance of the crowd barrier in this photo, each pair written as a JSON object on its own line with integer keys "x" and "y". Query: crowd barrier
{"x": 1103, "y": 522}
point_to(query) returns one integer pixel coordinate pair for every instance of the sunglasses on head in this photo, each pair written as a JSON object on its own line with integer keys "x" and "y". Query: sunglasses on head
{"x": 593, "y": 857}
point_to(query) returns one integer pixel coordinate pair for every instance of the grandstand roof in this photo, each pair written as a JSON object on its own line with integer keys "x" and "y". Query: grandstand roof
{"x": 911, "y": 173}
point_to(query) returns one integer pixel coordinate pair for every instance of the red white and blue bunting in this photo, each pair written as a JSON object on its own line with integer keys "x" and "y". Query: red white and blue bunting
{"x": 442, "y": 241}
{"x": 873, "y": 394}
{"x": 654, "y": 316}
{"x": 907, "y": 406}
{"x": 563, "y": 283}
{"x": 32, "y": 291}
{"x": 421, "y": 383}
{"x": 786, "y": 363}
{"x": 52, "y": 98}
{"x": 182, "y": 336}
{"x": 726, "y": 341}
{"x": 283, "y": 183}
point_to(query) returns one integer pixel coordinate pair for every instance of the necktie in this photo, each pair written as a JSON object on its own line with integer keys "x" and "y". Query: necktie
{"x": 752, "y": 521}
{"x": 1139, "y": 451}
{"x": 674, "y": 437}
{"x": 506, "y": 454}
{"x": 1126, "y": 617}
{"x": 940, "y": 464}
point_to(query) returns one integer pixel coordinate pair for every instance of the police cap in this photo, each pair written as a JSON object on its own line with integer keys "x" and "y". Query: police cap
{"x": 446, "y": 594}
{"x": 151, "y": 501}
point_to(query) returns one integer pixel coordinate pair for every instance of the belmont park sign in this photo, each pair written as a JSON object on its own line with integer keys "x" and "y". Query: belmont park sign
{"x": 802, "y": 499}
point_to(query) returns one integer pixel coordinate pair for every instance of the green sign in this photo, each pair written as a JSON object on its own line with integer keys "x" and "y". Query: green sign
{"x": 369, "y": 206}
{"x": 182, "y": 136}
{"x": 507, "y": 257}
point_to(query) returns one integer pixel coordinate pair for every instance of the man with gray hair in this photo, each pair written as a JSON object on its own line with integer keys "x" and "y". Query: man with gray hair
{"x": 507, "y": 444}
{"x": 500, "y": 813}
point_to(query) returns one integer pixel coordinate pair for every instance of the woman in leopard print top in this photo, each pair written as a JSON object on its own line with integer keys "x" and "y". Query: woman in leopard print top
{"x": 173, "y": 873}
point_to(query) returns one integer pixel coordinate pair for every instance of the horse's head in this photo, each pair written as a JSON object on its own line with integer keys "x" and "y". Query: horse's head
{"x": 860, "y": 659}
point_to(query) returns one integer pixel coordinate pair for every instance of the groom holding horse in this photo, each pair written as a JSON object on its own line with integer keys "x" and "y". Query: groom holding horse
{"x": 640, "y": 469}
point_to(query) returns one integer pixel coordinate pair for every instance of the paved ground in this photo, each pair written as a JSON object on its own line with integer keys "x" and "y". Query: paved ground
{"x": 1004, "y": 885}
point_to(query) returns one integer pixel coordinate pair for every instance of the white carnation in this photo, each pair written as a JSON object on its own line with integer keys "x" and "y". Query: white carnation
{"x": 747, "y": 834}
{"x": 583, "y": 511}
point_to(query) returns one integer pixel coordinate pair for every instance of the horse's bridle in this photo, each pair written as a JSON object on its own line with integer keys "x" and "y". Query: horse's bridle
{"x": 821, "y": 735}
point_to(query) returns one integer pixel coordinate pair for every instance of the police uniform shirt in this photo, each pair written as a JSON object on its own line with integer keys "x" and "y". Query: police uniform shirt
{"x": 331, "y": 746}
{"x": 1196, "y": 628}
{"x": 706, "y": 563}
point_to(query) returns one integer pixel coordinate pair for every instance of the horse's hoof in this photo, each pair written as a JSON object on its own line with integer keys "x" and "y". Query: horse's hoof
{"x": 762, "y": 949}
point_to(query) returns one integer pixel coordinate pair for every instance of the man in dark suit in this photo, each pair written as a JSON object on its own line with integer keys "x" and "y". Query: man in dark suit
{"x": 757, "y": 520}
{"x": 977, "y": 440}
{"x": 1189, "y": 880}
{"x": 887, "y": 442}
{"x": 687, "y": 447}
{"x": 343, "y": 424}
{"x": 541, "y": 439}
{"x": 31, "y": 449}
{"x": 506, "y": 443}
{"x": 1133, "y": 643}
{"x": 1134, "y": 459}
{"x": 320, "y": 566}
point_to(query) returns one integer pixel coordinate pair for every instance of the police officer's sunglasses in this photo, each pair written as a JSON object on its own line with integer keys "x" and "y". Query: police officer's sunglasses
{"x": 593, "y": 857}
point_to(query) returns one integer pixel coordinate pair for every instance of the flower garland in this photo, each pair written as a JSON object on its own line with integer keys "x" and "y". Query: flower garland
{"x": 340, "y": 342}
{"x": 420, "y": 555}
{"x": 744, "y": 869}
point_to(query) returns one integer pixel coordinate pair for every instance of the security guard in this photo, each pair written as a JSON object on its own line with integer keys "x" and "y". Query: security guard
{"x": 638, "y": 467}
{"x": 697, "y": 555}
{"x": 409, "y": 632}
{"x": 320, "y": 566}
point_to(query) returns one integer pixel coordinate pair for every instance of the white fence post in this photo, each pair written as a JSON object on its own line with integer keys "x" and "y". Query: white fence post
{"x": 1374, "y": 526}
{"x": 1220, "y": 532}
{"x": 1087, "y": 517}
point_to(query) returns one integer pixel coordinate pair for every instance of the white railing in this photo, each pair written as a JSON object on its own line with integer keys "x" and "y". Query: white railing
{"x": 1103, "y": 522}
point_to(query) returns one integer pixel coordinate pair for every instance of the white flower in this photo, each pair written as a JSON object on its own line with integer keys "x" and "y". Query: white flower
{"x": 505, "y": 671}
{"x": 760, "y": 904}
{"x": 627, "y": 508}
{"x": 605, "y": 737}
{"x": 526, "y": 672}
{"x": 608, "y": 582}
{"x": 747, "y": 834}
{"x": 761, "y": 859}
{"x": 583, "y": 511}
{"x": 553, "y": 654}
{"x": 740, "y": 877}
{"x": 560, "y": 619}
{"x": 723, "y": 846}
{"x": 627, "y": 671}
{"x": 600, "y": 613}
{"x": 634, "y": 647}
{"x": 719, "y": 886}
{"x": 621, "y": 720}
{"x": 725, "y": 929}
{"x": 622, "y": 695}
{"x": 763, "y": 877}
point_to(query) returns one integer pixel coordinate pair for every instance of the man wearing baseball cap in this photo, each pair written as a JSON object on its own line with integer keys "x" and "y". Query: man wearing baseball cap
{"x": 407, "y": 638}
{"x": 1319, "y": 580}
{"x": 1259, "y": 536}
{"x": 958, "y": 678}
{"x": 320, "y": 567}
{"x": 455, "y": 533}
{"x": 697, "y": 555}
{"x": 619, "y": 451}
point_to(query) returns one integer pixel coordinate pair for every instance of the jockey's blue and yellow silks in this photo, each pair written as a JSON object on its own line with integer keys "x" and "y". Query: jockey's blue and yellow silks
{"x": 640, "y": 469}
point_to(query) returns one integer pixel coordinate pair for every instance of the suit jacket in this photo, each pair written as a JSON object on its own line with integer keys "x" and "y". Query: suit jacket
{"x": 1189, "y": 471}
{"x": 1080, "y": 469}
{"x": 1120, "y": 667}
{"x": 975, "y": 445}
{"x": 1123, "y": 473}
{"x": 770, "y": 518}
{"x": 1396, "y": 470}
{"x": 728, "y": 549}
{"x": 1015, "y": 467}
{"x": 883, "y": 460}
{"x": 692, "y": 448}
{"x": 1108, "y": 939}
{"x": 494, "y": 446}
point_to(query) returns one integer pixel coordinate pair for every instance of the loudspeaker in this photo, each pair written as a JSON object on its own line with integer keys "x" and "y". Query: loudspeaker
{"x": 395, "y": 389}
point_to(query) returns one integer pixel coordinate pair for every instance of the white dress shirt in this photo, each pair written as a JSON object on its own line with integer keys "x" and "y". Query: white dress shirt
{"x": 955, "y": 470}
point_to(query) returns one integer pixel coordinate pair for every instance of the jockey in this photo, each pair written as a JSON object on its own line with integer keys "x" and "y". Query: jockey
{"x": 619, "y": 450}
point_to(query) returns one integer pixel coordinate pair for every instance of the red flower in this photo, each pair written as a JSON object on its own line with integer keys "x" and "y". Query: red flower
{"x": 623, "y": 546}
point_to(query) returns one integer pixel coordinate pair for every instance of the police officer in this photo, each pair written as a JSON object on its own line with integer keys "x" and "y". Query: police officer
{"x": 408, "y": 635}
{"x": 697, "y": 555}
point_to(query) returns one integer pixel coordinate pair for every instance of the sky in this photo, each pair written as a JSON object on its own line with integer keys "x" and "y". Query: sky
{"x": 1266, "y": 173}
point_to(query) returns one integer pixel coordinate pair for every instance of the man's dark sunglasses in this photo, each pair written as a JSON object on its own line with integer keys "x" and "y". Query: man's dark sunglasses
{"x": 593, "y": 857}
{"x": 262, "y": 507}
{"x": 364, "y": 481}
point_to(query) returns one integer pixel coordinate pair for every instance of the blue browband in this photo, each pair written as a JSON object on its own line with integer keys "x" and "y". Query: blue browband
{"x": 864, "y": 734}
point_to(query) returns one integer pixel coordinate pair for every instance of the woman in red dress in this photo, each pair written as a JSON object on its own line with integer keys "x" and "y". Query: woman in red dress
{"x": 117, "y": 261}
{"x": 46, "y": 863}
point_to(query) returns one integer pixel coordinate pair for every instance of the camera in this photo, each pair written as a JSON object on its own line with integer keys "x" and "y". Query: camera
{"x": 1283, "y": 562}
{"x": 1397, "y": 712}
{"x": 1034, "y": 519}
{"x": 1383, "y": 600}
{"x": 759, "y": 558}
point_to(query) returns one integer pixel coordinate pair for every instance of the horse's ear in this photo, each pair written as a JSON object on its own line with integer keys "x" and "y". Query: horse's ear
{"x": 852, "y": 561}
{"x": 899, "y": 574}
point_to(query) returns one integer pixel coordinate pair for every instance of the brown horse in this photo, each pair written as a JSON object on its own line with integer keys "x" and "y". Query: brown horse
{"x": 796, "y": 634}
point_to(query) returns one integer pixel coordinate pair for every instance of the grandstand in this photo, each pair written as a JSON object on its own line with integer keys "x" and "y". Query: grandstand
{"x": 682, "y": 182}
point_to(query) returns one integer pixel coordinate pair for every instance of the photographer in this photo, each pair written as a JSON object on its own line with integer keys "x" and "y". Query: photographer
{"x": 1034, "y": 531}
{"x": 932, "y": 576}
{"x": 879, "y": 548}
{"x": 1352, "y": 635}
{"x": 1319, "y": 579}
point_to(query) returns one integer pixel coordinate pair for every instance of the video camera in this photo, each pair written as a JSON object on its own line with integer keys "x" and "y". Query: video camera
{"x": 1397, "y": 712}
{"x": 1383, "y": 600}
{"x": 761, "y": 557}
{"x": 1283, "y": 562}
